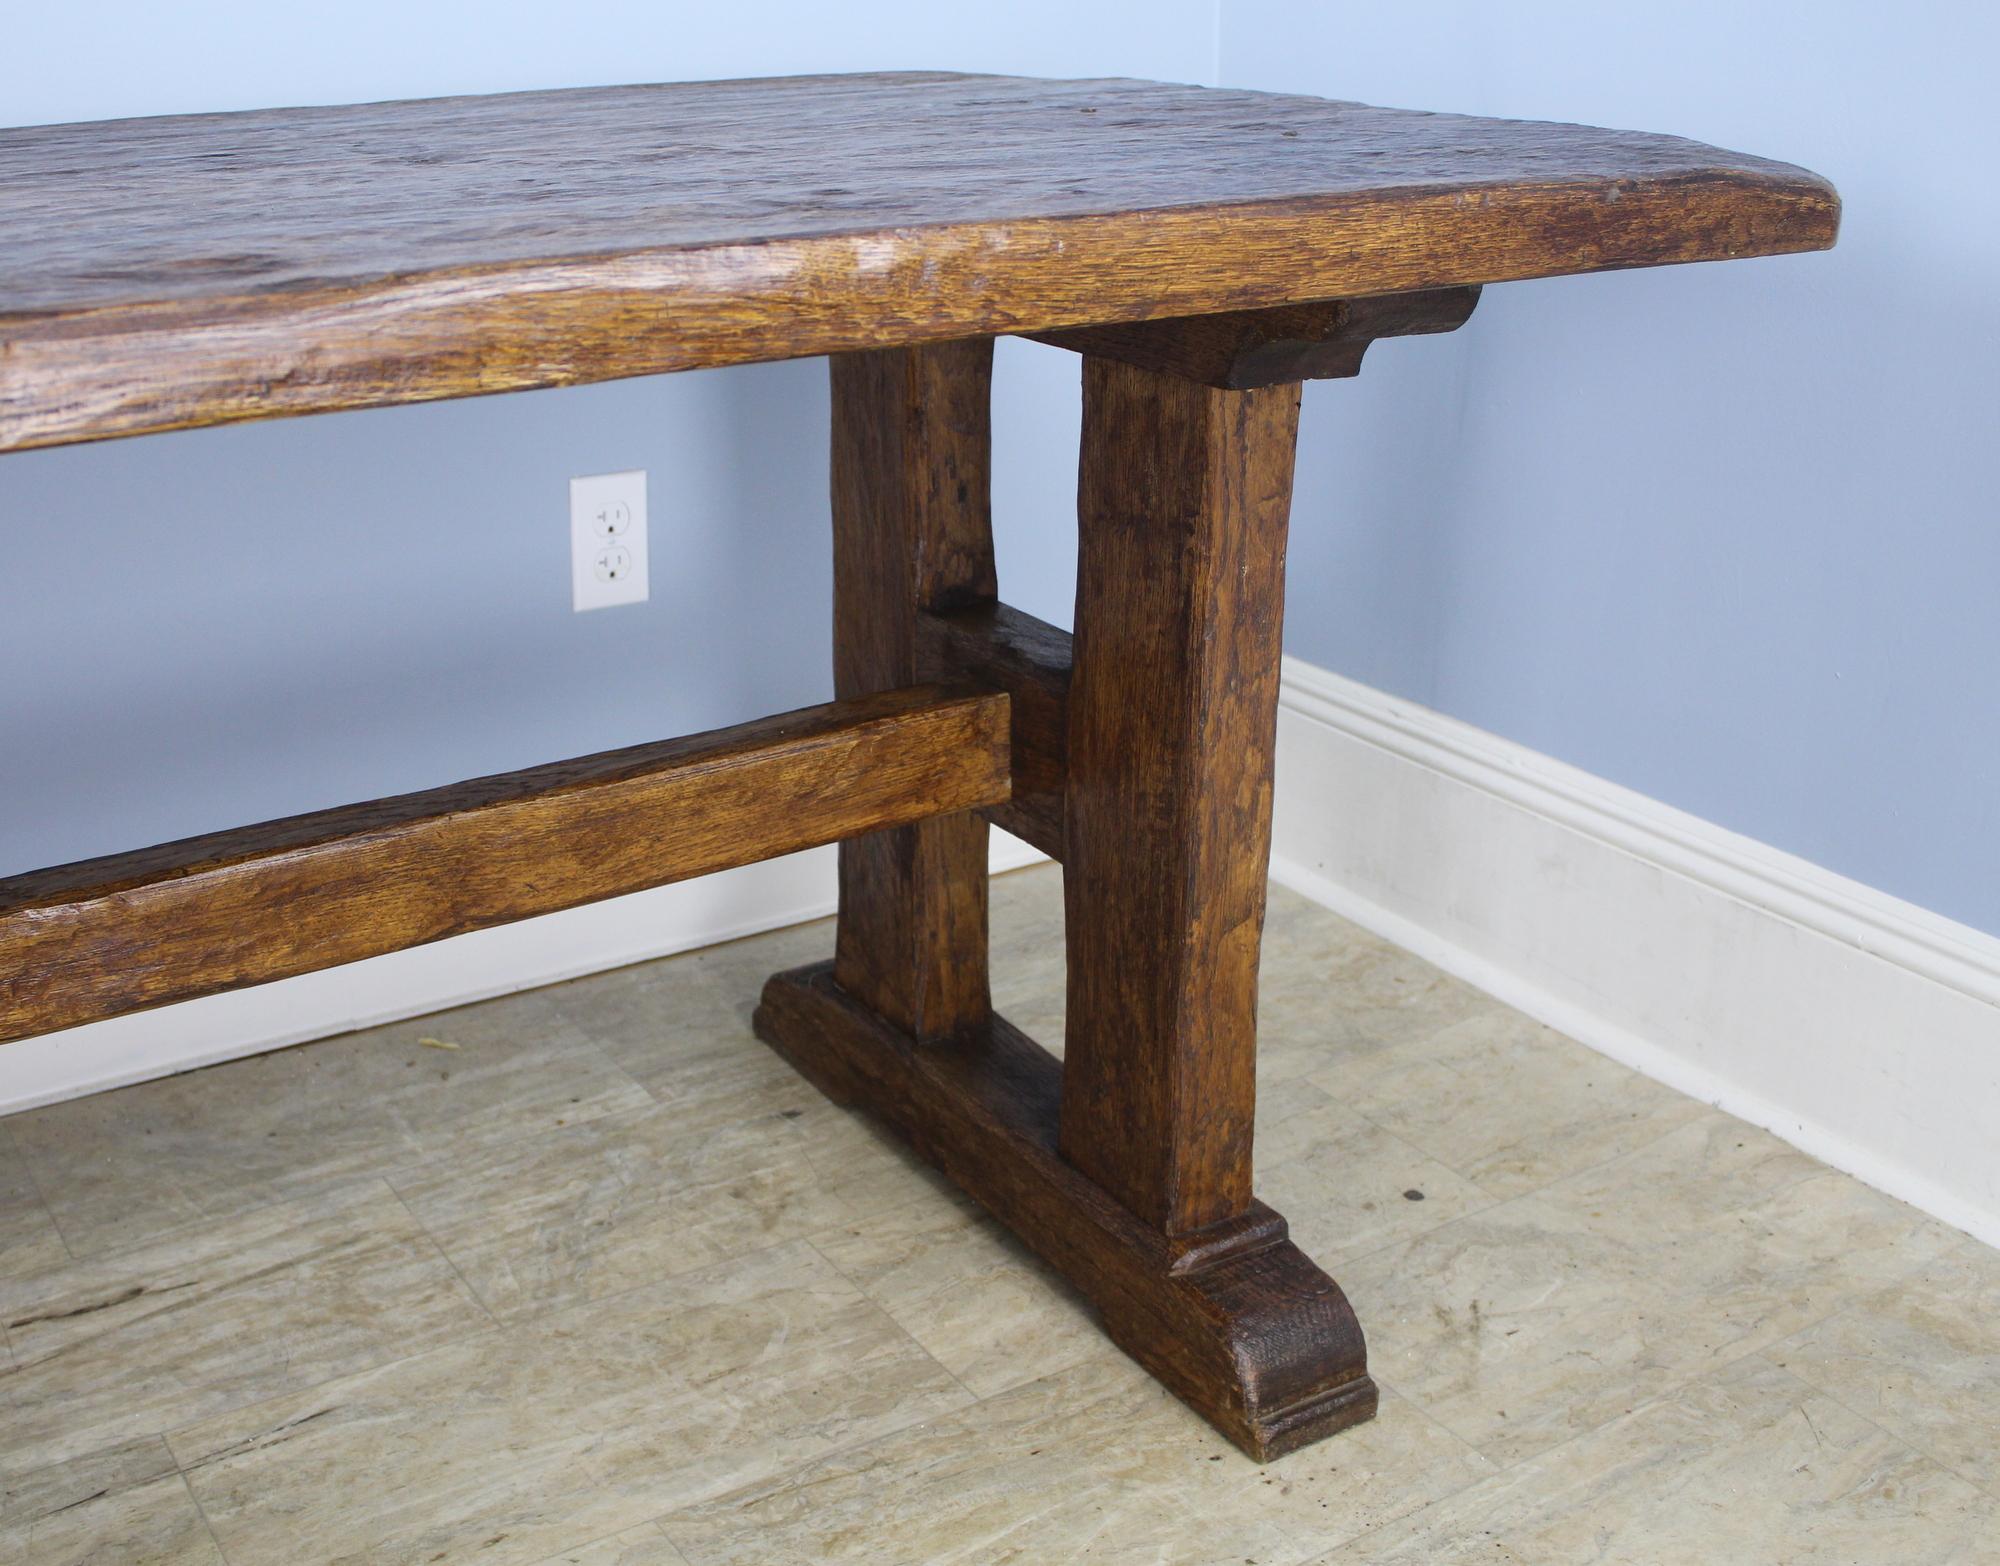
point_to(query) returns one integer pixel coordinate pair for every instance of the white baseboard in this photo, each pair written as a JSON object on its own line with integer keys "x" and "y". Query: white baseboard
{"x": 429, "y": 978}
{"x": 1859, "y": 1028}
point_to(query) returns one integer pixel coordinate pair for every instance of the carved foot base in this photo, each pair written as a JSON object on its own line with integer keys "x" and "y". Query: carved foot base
{"x": 1234, "y": 1319}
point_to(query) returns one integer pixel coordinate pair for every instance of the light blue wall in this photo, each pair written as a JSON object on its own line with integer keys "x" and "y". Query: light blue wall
{"x": 1726, "y": 535}
{"x": 204, "y": 629}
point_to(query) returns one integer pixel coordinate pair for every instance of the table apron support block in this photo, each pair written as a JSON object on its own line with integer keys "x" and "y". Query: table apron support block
{"x": 91, "y": 940}
{"x": 1234, "y": 1319}
{"x": 1239, "y": 350}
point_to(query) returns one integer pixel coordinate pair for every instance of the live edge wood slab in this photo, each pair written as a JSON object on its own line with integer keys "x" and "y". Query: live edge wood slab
{"x": 1203, "y": 251}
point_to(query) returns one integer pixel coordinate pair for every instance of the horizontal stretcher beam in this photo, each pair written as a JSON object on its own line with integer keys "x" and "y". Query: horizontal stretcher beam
{"x": 105, "y": 936}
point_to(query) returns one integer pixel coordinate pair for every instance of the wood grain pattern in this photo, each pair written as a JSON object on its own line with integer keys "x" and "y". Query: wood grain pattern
{"x": 912, "y": 533}
{"x": 1240, "y": 349}
{"x": 998, "y": 647}
{"x": 105, "y": 936}
{"x": 1235, "y": 1320}
{"x": 1182, "y": 510}
{"x": 165, "y": 273}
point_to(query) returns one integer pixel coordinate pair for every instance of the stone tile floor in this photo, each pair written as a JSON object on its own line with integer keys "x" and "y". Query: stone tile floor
{"x": 606, "y": 1284}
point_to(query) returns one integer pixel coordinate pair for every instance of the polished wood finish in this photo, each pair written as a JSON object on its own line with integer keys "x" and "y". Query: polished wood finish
{"x": 106, "y": 936}
{"x": 1182, "y": 511}
{"x": 165, "y": 273}
{"x": 911, "y": 534}
{"x": 1241, "y": 349}
{"x": 1235, "y": 1320}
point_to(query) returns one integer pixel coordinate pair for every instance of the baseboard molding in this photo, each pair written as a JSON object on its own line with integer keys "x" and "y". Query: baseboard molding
{"x": 1859, "y": 1028}
{"x": 423, "y": 979}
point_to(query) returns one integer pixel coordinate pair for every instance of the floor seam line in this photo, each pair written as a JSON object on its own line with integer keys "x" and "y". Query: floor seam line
{"x": 200, "y": 1511}
{"x": 168, "y": 1433}
{"x": 27, "y": 1164}
{"x": 917, "y": 1342}
{"x": 444, "y": 1255}
{"x": 1870, "y": 1420}
{"x": 190, "y": 1227}
{"x": 863, "y": 1443}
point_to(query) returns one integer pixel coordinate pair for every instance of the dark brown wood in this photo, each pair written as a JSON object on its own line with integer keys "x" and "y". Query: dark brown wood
{"x": 1182, "y": 508}
{"x": 106, "y": 936}
{"x": 1235, "y": 1320}
{"x": 998, "y": 647}
{"x": 912, "y": 533}
{"x": 164, "y": 273}
{"x": 1142, "y": 753}
{"x": 1241, "y": 349}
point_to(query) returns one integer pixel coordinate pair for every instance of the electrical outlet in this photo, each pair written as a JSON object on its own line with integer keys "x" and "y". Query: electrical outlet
{"x": 607, "y": 540}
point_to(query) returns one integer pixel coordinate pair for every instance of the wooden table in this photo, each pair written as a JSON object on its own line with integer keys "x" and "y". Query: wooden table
{"x": 1205, "y": 251}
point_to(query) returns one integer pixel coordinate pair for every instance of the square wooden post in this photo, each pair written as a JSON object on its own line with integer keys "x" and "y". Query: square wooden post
{"x": 1183, "y": 502}
{"x": 912, "y": 534}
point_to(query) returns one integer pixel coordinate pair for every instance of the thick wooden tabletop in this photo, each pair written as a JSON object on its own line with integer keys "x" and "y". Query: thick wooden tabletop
{"x": 162, "y": 273}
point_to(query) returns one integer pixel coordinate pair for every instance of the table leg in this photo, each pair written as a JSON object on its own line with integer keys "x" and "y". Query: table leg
{"x": 912, "y": 534}
{"x": 1128, "y": 1168}
{"x": 1182, "y": 511}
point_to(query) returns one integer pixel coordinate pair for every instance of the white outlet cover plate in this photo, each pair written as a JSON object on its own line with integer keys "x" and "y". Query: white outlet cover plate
{"x": 607, "y": 540}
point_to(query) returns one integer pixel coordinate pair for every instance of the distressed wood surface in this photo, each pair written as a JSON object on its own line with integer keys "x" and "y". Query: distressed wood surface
{"x": 1182, "y": 511}
{"x": 1236, "y": 1320}
{"x": 1141, "y": 754}
{"x": 912, "y": 533}
{"x": 171, "y": 272}
{"x": 90, "y": 940}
